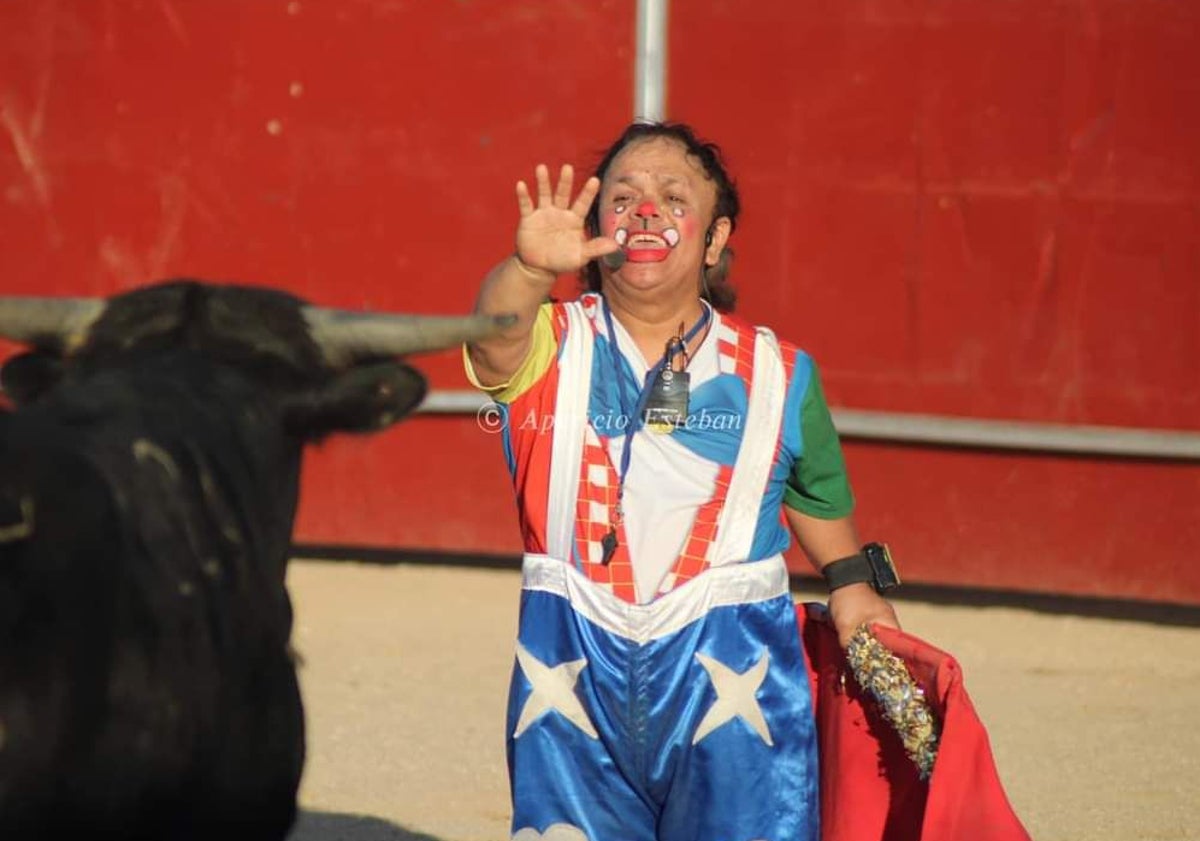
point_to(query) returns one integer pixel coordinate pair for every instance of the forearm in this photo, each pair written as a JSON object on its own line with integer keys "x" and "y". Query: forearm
{"x": 510, "y": 288}
{"x": 823, "y": 541}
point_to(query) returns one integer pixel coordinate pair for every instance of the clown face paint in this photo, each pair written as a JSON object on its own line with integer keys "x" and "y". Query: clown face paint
{"x": 655, "y": 199}
{"x": 643, "y": 239}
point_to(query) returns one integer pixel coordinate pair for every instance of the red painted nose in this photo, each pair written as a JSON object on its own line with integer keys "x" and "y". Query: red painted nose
{"x": 646, "y": 208}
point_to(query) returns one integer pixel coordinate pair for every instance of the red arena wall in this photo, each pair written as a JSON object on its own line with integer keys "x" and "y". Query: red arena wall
{"x": 967, "y": 209}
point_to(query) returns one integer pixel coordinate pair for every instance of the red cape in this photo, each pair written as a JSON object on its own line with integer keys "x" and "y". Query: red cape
{"x": 870, "y": 790}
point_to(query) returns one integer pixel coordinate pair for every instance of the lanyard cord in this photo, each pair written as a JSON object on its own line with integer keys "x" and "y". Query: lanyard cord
{"x": 635, "y": 418}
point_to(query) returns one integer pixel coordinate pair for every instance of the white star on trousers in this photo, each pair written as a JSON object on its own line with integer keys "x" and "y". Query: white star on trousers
{"x": 735, "y": 697}
{"x": 553, "y": 689}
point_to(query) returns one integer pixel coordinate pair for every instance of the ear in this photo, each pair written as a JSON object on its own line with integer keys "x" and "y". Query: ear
{"x": 28, "y": 376}
{"x": 366, "y": 398}
{"x": 718, "y": 235}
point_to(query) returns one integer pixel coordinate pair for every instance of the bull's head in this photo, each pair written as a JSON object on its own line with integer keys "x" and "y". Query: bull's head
{"x": 331, "y": 369}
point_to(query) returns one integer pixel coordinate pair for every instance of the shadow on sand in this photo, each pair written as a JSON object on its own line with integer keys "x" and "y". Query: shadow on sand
{"x": 333, "y": 826}
{"x": 1154, "y": 613}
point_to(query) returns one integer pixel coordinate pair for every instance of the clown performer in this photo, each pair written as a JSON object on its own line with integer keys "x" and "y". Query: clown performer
{"x": 660, "y": 691}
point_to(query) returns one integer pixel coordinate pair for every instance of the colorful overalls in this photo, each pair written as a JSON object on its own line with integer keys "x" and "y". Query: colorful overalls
{"x": 675, "y": 707}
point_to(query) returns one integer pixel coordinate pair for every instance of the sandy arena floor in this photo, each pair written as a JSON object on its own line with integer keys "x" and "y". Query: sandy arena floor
{"x": 1094, "y": 722}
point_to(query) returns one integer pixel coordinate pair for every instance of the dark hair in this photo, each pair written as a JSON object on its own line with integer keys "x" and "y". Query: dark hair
{"x": 716, "y": 287}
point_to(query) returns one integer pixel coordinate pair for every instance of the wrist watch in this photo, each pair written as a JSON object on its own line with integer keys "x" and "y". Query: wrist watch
{"x": 872, "y": 565}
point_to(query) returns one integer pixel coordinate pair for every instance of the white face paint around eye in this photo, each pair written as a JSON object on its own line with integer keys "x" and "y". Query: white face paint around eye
{"x": 677, "y": 211}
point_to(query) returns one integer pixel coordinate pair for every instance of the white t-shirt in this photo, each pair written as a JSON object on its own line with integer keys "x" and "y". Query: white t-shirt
{"x": 667, "y": 482}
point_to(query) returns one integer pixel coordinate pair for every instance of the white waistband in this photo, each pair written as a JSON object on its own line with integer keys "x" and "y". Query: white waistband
{"x": 744, "y": 583}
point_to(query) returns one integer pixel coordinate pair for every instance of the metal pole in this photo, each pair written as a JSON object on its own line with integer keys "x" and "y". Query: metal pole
{"x": 650, "y": 68}
{"x": 1018, "y": 435}
{"x": 943, "y": 431}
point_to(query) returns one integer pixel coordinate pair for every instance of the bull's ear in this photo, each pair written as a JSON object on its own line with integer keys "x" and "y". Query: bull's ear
{"x": 28, "y": 376}
{"x": 362, "y": 399}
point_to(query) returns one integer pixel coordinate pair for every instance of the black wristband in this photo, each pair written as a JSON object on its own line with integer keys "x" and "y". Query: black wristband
{"x": 873, "y": 565}
{"x": 853, "y": 569}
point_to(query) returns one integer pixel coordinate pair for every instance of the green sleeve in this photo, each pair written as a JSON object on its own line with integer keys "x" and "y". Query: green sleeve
{"x": 818, "y": 484}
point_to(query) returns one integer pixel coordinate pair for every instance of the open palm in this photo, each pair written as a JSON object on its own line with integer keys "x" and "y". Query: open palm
{"x": 551, "y": 234}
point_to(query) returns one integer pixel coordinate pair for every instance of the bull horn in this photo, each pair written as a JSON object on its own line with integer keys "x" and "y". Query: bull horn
{"x": 342, "y": 334}
{"x": 33, "y": 320}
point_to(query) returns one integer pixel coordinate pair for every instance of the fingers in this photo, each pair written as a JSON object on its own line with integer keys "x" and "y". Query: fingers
{"x": 561, "y": 195}
{"x": 524, "y": 202}
{"x": 566, "y": 178}
{"x": 543, "y": 184}
{"x": 598, "y": 247}
{"x": 884, "y": 620}
{"x": 586, "y": 196}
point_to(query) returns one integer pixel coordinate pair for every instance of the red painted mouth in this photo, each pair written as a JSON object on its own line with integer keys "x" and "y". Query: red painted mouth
{"x": 647, "y": 246}
{"x": 647, "y": 255}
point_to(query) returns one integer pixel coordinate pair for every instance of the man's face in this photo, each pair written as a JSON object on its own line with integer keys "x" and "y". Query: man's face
{"x": 657, "y": 203}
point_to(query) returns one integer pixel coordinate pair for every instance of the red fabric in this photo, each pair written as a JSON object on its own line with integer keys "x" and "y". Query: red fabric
{"x": 870, "y": 790}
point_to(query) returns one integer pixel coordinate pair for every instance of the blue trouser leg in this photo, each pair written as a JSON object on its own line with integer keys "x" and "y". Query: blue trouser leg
{"x": 704, "y": 733}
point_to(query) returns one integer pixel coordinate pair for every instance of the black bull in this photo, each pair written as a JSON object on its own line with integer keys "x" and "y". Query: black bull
{"x": 148, "y": 486}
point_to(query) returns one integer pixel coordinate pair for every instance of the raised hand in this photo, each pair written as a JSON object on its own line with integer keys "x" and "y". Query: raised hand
{"x": 551, "y": 235}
